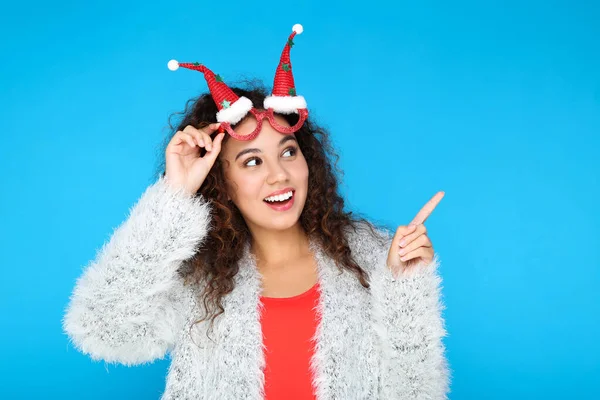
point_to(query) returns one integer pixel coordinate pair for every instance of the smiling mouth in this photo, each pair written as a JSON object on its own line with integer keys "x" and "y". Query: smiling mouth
{"x": 282, "y": 201}
{"x": 281, "y": 205}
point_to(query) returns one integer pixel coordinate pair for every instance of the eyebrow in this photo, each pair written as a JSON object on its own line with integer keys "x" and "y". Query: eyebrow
{"x": 253, "y": 150}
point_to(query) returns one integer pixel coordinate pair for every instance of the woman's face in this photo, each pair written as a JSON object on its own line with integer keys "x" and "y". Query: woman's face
{"x": 266, "y": 164}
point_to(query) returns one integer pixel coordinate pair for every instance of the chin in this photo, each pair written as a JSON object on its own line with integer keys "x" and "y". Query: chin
{"x": 281, "y": 224}
{"x": 277, "y": 220}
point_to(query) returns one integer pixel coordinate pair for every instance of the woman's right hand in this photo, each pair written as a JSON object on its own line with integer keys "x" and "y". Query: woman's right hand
{"x": 184, "y": 166}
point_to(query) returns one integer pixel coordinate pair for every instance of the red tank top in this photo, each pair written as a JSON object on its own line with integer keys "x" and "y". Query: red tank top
{"x": 288, "y": 324}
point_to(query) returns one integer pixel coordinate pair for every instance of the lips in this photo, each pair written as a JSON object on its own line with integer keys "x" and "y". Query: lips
{"x": 279, "y": 201}
{"x": 282, "y": 205}
{"x": 280, "y": 191}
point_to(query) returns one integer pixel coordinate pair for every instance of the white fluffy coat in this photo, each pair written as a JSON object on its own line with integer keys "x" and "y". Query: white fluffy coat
{"x": 130, "y": 306}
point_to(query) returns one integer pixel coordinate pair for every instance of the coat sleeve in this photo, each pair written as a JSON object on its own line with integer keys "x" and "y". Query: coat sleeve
{"x": 408, "y": 316}
{"x": 130, "y": 301}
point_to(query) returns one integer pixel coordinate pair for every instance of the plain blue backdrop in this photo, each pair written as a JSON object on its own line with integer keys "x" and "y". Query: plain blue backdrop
{"x": 496, "y": 103}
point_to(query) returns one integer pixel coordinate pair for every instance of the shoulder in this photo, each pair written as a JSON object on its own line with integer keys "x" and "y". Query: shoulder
{"x": 366, "y": 234}
{"x": 368, "y": 242}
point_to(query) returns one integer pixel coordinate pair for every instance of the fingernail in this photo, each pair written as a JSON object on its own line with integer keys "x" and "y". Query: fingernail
{"x": 402, "y": 243}
{"x": 403, "y": 258}
{"x": 402, "y": 252}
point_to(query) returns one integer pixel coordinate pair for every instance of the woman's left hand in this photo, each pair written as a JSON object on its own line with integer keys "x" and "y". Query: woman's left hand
{"x": 410, "y": 245}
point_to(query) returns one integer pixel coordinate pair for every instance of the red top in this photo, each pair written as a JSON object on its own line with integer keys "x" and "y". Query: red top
{"x": 288, "y": 324}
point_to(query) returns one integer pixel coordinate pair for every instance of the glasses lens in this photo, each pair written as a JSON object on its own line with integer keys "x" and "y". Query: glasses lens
{"x": 246, "y": 130}
{"x": 302, "y": 114}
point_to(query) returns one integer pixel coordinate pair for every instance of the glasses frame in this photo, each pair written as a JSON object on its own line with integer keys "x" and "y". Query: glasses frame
{"x": 260, "y": 116}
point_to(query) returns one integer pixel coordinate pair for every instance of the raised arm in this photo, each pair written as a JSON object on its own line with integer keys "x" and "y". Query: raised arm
{"x": 130, "y": 301}
{"x": 408, "y": 313}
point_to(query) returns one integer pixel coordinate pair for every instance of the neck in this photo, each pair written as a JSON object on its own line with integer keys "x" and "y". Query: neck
{"x": 275, "y": 248}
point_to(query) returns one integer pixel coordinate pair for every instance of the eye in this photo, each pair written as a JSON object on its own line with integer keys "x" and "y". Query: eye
{"x": 292, "y": 149}
{"x": 247, "y": 163}
{"x": 257, "y": 161}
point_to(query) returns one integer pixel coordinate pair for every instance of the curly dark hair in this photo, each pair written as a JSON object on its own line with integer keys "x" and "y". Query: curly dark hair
{"x": 323, "y": 217}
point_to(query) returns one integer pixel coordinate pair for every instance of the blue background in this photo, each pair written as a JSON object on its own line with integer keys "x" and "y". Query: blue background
{"x": 496, "y": 103}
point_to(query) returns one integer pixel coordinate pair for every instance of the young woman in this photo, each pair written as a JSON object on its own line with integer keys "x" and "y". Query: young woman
{"x": 241, "y": 264}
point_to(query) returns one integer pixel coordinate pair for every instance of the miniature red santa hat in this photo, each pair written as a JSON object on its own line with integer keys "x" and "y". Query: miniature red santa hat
{"x": 232, "y": 108}
{"x": 283, "y": 99}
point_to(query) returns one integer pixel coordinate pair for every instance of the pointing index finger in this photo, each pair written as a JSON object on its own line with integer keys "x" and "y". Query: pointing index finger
{"x": 427, "y": 209}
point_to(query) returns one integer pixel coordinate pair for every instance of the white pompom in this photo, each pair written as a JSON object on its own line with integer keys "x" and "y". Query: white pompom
{"x": 298, "y": 29}
{"x": 173, "y": 65}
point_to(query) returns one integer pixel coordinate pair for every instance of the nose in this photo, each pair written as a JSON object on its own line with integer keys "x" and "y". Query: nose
{"x": 277, "y": 173}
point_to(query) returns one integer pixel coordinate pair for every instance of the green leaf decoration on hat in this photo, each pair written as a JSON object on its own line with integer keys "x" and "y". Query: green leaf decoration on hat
{"x": 285, "y": 67}
{"x": 218, "y": 78}
{"x": 225, "y": 104}
{"x": 292, "y": 91}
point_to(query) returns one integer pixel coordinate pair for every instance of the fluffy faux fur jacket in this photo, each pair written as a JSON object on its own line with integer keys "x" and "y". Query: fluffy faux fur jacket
{"x": 130, "y": 306}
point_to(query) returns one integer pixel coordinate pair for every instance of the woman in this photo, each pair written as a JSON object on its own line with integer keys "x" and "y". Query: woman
{"x": 240, "y": 262}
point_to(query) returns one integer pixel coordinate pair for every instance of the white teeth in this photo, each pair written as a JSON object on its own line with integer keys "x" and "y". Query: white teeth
{"x": 280, "y": 197}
